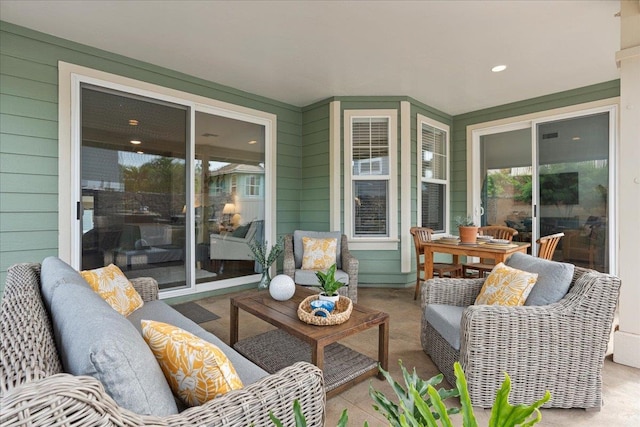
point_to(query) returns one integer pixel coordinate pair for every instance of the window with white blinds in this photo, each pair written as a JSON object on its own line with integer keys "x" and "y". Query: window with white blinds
{"x": 370, "y": 144}
{"x": 433, "y": 150}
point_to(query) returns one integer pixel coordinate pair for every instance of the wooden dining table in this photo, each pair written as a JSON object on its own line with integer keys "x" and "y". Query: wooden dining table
{"x": 482, "y": 250}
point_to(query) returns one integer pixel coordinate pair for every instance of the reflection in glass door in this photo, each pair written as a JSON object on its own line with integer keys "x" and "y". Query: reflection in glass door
{"x": 133, "y": 180}
{"x": 229, "y": 205}
{"x": 553, "y": 180}
{"x": 573, "y": 187}
{"x": 505, "y": 165}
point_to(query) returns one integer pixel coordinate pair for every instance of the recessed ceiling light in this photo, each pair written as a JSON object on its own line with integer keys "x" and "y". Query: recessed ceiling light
{"x": 133, "y": 122}
{"x": 499, "y": 68}
{"x": 135, "y": 142}
{"x": 253, "y": 142}
{"x": 575, "y": 138}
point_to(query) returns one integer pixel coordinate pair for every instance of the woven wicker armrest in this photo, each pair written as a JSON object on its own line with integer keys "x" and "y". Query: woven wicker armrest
{"x": 147, "y": 287}
{"x": 289, "y": 263}
{"x": 65, "y": 399}
{"x": 458, "y": 292}
{"x": 350, "y": 264}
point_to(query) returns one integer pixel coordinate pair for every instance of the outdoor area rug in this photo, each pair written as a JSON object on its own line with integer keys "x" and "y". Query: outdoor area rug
{"x": 195, "y": 312}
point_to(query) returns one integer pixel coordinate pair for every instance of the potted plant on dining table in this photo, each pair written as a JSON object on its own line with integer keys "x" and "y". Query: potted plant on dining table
{"x": 467, "y": 229}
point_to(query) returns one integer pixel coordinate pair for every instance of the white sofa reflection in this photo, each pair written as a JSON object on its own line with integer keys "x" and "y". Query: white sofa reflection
{"x": 234, "y": 245}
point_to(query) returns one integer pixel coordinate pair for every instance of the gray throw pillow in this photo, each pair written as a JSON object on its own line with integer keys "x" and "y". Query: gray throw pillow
{"x": 93, "y": 339}
{"x": 554, "y": 278}
{"x": 298, "y": 249}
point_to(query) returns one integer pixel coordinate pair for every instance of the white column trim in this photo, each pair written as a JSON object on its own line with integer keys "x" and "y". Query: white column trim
{"x": 335, "y": 125}
{"x": 406, "y": 243}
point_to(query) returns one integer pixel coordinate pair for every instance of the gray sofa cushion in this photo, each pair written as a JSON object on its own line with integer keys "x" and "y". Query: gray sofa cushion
{"x": 93, "y": 339}
{"x": 554, "y": 278}
{"x": 298, "y": 249}
{"x": 446, "y": 320}
{"x": 161, "y": 312}
{"x": 309, "y": 278}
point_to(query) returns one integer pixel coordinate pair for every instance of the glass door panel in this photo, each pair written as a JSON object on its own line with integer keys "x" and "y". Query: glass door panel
{"x": 133, "y": 181}
{"x": 505, "y": 165}
{"x": 573, "y": 188}
{"x": 229, "y": 204}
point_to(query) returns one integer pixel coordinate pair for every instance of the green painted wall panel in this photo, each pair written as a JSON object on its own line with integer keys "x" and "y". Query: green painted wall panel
{"x": 28, "y": 221}
{"x": 21, "y": 202}
{"x": 20, "y": 144}
{"x": 26, "y": 88}
{"x": 17, "y": 106}
{"x": 23, "y": 183}
{"x": 27, "y": 126}
{"x": 35, "y": 165}
{"x": 28, "y": 240}
{"x": 17, "y": 67}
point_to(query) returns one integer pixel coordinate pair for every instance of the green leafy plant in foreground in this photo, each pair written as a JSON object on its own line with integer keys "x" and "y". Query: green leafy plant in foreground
{"x": 421, "y": 405}
{"x": 328, "y": 283}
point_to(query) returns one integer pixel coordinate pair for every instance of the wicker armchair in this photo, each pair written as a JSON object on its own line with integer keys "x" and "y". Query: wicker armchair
{"x": 35, "y": 392}
{"x": 558, "y": 347}
{"x": 349, "y": 265}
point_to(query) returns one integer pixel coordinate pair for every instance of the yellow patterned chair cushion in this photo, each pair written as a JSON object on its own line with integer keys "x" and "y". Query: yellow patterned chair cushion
{"x": 196, "y": 370}
{"x": 506, "y": 286}
{"x": 113, "y": 286}
{"x": 318, "y": 254}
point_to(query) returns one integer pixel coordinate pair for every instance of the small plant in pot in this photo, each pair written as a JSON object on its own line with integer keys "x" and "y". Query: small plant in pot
{"x": 328, "y": 284}
{"x": 467, "y": 229}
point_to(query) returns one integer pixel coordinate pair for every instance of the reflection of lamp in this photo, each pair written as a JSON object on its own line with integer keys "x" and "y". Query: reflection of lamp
{"x": 228, "y": 210}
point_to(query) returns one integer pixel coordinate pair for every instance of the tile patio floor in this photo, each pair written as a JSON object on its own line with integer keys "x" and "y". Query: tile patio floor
{"x": 621, "y": 383}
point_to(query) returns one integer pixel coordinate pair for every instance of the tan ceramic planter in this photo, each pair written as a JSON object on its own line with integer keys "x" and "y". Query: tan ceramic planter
{"x": 468, "y": 234}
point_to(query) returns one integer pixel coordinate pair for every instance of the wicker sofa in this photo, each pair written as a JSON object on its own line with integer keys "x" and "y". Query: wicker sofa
{"x": 558, "y": 347}
{"x": 35, "y": 390}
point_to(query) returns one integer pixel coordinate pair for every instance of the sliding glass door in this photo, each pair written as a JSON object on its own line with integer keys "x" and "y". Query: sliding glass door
{"x": 549, "y": 176}
{"x": 170, "y": 190}
{"x": 133, "y": 181}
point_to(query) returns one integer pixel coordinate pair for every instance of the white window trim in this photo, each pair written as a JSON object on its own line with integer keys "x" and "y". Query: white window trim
{"x": 372, "y": 243}
{"x": 69, "y": 78}
{"x": 447, "y": 181}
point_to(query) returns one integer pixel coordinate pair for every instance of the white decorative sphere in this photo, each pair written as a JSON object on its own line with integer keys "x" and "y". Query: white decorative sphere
{"x": 282, "y": 287}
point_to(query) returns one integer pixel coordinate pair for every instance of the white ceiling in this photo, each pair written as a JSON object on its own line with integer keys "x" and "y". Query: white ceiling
{"x": 299, "y": 52}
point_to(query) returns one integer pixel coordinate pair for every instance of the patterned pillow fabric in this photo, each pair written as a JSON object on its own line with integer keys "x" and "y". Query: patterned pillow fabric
{"x": 506, "y": 286}
{"x": 196, "y": 370}
{"x": 114, "y": 287}
{"x": 319, "y": 254}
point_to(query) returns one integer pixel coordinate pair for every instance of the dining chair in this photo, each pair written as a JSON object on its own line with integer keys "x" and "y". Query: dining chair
{"x": 478, "y": 269}
{"x": 421, "y": 235}
{"x": 547, "y": 245}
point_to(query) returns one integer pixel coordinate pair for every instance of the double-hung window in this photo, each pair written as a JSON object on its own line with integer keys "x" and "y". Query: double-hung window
{"x": 433, "y": 179}
{"x": 370, "y": 193}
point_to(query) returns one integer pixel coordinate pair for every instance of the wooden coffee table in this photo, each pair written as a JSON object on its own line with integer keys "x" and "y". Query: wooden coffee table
{"x": 296, "y": 341}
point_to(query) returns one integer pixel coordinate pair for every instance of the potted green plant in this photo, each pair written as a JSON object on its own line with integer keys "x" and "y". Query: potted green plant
{"x": 467, "y": 229}
{"x": 328, "y": 284}
{"x": 265, "y": 257}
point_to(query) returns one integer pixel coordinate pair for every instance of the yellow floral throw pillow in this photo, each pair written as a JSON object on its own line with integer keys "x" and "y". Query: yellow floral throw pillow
{"x": 506, "y": 286}
{"x": 114, "y": 287}
{"x": 318, "y": 254}
{"x": 196, "y": 370}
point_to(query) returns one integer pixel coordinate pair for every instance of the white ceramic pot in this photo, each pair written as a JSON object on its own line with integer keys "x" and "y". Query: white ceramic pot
{"x": 282, "y": 287}
{"x": 333, "y": 298}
